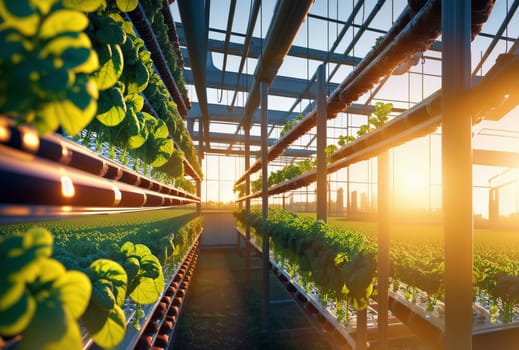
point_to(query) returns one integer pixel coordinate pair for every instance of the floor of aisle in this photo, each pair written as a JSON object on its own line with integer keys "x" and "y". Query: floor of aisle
{"x": 221, "y": 312}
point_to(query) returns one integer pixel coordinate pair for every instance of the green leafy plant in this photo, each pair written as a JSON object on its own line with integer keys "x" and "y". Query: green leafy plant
{"x": 104, "y": 317}
{"x": 38, "y": 297}
{"x": 141, "y": 279}
{"x": 42, "y": 301}
{"x": 378, "y": 118}
{"x": 158, "y": 147}
{"x": 342, "y": 264}
{"x": 110, "y": 33}
{"x": 377, "y": 43}
{"x": 46, "y": 61}
{"x": 174, "y": 167}
{"x": 127, "y": 5}
{"x": 65, "y": 62}
{"x": 291, "y": 171}
{"x": 159, "y": 99}
{"x": 120, "y": 120}
{"x": 329, "y": 150}
{"x": 287, "y": 173}
{"x": 239, "y": 189}
{"x": 290, "y": 124}
{"x": 256, "y": 185}
{"x": 153, "y": 10}
{"x": 343, "y": 140}
{"x": 145, "y": 277}
{"x": 185, "y": 184}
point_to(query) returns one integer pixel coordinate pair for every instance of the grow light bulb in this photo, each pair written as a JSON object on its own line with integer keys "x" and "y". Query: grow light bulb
{"x": 30, "y": 140}
{"x": 5, "y": 133}
{"x": 67, "y": 187}
{"x": 66, "y": 155}
{"x": 117, "y": 196}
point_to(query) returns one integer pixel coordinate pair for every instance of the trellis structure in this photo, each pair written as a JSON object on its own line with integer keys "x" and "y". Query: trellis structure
{"x": 411, "y": 38}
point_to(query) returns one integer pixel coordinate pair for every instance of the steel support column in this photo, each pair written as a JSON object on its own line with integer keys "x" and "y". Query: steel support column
{"x": 457, "y": 174}
{"x": 321, "y": 144}
{"x": 361, "y": 340}
{"x": 265, "y": 199}
{"x": 383, "y": 186}
{"x": 246, "y": 130}
{"x": 199, "y": 194}
{"x": 194, "y": 15}
{"x": 199, "y": 182}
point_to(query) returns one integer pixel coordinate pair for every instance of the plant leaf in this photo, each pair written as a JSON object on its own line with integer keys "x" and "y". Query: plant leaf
{"x": 42, "y": 240}
{"x": 65, "y": 41}
{"x": 53, "y": 327}
{"x": 148, "y": 290}
{"x": 111, "y": 107}
{"x": 102, "y": 294}
{"x": 71, "y": 117}
{"x": 148, "y": 283}
{"x": 50, "y": 270}
{"x": 113, "y": 272}
{"x": 55, "y": 82}
{"x": 150, "y": 264}
{"x": 136, "y": 77}
{"x": 62, "y": 21}
{"x": 90, "y": 65}
{"x": 85, "y": 6}
{"x": 15, "y": 318}
{"x": 75, "y": 57}
{"x": 161, "y": 130}
{"x": 127, "y": 5}
{"x": 112, "y": 63}
{"x": 111, "y": 33}
{"x": 77, "y": 110}
{"x": 137, "y": 134}
{"x": 45, "y": 5}
{"x": 163, "y": 153}
{"x": 19, "y": 254}
{"x": 134, "y": 101}
{"x": 10, "y": 292}
{"x": 107, "y": 327}
{"x": 12, "y": 45}
{"x": 20, "y": 15}
{"x": 75, "y": 290}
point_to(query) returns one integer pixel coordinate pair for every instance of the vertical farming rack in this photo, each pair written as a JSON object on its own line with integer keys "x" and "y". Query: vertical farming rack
{"x": 347, "y": 111}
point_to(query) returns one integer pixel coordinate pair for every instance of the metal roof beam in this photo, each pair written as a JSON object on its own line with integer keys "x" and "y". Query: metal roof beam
{"x": 255, "y": 50}
{"x": 222, "y": 113}
{"x": 290, "y": 153}
{"x": 281, "y": 86}
{"x": 221, "y": 137}
{"x": 495, "y": 158}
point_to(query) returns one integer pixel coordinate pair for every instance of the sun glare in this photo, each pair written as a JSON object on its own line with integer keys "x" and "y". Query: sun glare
{"x": 411, "y": 189}
{"x": 415, "y": 180}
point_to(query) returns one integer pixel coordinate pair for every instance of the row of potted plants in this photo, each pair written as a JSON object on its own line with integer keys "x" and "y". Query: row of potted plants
{"x": 43, "y": 301}
{"x": 379, "y": 117}
{"x": 342, "y": 264}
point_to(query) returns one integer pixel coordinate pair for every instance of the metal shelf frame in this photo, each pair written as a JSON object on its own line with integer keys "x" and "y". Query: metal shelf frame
{"x": 54, "y": 172}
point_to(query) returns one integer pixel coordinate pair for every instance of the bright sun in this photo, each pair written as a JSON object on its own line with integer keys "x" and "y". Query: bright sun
{"x": 412, "y": 188}
{"x": 415, "y": 179}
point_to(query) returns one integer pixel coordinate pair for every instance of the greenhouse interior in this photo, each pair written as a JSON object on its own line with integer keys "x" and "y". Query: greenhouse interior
{"x": 135, "y": 137}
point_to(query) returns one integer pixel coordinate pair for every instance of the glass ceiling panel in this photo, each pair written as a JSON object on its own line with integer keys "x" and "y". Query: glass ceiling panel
{"x": 319, "y": 32}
